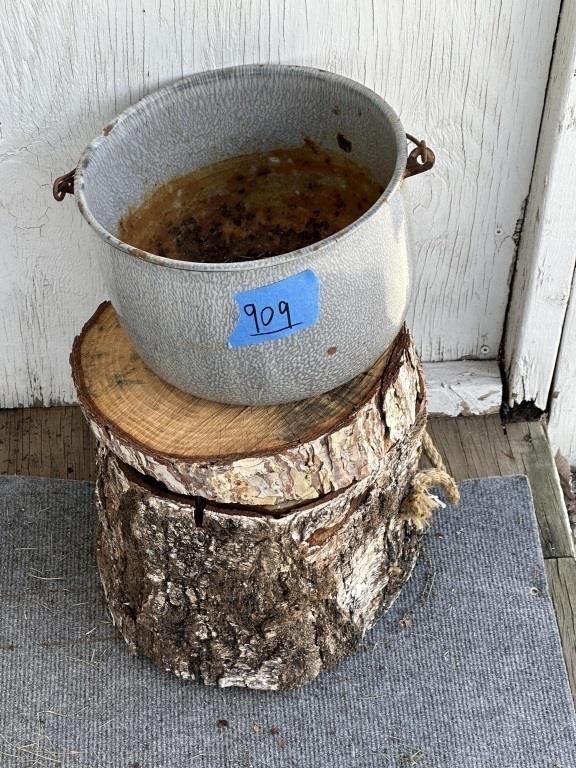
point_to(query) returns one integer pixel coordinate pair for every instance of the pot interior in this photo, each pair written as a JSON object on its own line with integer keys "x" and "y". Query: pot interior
{"x": 212, "y": 116}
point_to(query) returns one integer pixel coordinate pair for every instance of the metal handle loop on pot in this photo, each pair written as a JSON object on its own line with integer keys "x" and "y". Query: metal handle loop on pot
{"x": 64, "y": 185}
{"x": 420, "y": 159}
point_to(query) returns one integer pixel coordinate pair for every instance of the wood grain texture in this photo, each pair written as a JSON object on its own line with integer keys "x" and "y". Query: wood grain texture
{"x": 463, "y": 388}
{"x": 469, "y": 77}
{"x": 562, "y": 421}
{"x": 46, "y": 442}
{"x": 483, "y": 447}
{"x": 476, "y": 446}
{"x": 546, "y": 255}
{"x": 531, "y": 448}
{"x": 267, "y": 455}
{"x": 561, "y": 576}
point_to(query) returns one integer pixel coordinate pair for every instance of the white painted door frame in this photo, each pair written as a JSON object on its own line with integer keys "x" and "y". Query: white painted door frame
{"x": 562, "y": 418}
{"x": 537, "y": 339}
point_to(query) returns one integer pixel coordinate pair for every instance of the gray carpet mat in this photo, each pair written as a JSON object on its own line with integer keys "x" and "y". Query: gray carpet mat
{"x": 465, "y": 670}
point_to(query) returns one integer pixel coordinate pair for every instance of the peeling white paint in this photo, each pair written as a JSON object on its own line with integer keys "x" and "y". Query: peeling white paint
{"x": 469, "y": 78}
{"x": 547, "y": 254}
{"x": 465, "y": 388}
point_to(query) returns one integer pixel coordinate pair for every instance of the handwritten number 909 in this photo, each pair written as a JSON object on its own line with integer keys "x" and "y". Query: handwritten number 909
{"x": 263, "y": 318}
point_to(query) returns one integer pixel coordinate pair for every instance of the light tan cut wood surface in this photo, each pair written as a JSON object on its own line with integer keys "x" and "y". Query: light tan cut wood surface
{"x": 268, "y": 456}
{"x": 116, "y": 385}
{"x": 56, "y": 442}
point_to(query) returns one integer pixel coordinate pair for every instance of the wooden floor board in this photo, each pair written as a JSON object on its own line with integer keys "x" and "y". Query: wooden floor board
{"x": 47, "y": 442}
{"x": 446, "y": 435}
{"x": 561, "y": 574}
{"x": 479, "y": 451}
{"x": 505, "y": 460}
{"x": 56, "y": 442}
{"x": 481, "y": 446}
{"x": 532, "y": 453}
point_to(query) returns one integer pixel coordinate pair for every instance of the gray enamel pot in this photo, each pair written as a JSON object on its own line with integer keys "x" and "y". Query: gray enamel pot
{"x": 282, "y": 328}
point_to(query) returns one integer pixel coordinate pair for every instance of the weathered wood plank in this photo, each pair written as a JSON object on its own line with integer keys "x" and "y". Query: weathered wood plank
{"x": 480, "y": 450}
{"x": 546, "y": 254}
{"x": 446, "y": 436}
{"x": 561, "y": 574}
{"x": 463, "y": 388}
{"x": 10, "y": 428}
{"x": 483, "y": 446}
{"x": 475, "y": 446}
{"x": 531, "y": 450}
{"x": 562, "y": 423}
{"x": 47, "y": 442}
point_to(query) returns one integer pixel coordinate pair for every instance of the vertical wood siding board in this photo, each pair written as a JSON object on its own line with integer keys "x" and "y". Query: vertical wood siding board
{"x": 546, "y": 256}
{"x": 562, "y": 423}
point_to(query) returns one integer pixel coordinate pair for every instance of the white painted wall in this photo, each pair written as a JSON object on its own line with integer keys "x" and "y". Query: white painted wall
{"x": 468, "y": 76}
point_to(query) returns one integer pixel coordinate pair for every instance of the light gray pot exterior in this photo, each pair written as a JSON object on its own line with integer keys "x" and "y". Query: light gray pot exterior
{"x": 180, "y": 315}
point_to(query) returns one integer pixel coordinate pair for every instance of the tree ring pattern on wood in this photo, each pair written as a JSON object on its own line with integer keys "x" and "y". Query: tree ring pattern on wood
{"x": 271, "y": 456}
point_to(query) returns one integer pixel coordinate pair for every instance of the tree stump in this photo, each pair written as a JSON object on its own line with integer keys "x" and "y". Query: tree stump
{"x": 249, "y": 546}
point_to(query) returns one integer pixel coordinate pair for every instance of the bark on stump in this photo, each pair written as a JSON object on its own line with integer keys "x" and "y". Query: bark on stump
{"x": 278, "y": 558}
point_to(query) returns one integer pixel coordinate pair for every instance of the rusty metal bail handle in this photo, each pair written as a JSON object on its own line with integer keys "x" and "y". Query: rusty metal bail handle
{"x": 420, "y": 159}
{"x": 64, "y": 185}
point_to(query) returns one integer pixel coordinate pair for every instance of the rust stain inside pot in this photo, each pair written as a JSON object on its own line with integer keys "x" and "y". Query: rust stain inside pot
{"x": 252, "y": 207}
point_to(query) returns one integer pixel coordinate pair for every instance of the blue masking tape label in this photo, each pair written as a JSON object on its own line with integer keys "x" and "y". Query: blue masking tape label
{"x": 276, "y": 310}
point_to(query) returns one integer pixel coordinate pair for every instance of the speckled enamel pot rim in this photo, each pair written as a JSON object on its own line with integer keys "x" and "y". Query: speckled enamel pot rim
{"x": 250, "y": 70}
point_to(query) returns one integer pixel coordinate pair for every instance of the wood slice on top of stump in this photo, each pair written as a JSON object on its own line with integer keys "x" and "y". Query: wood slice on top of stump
{"x": 272, "y": 456}
{"x": 249, "y": 546}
